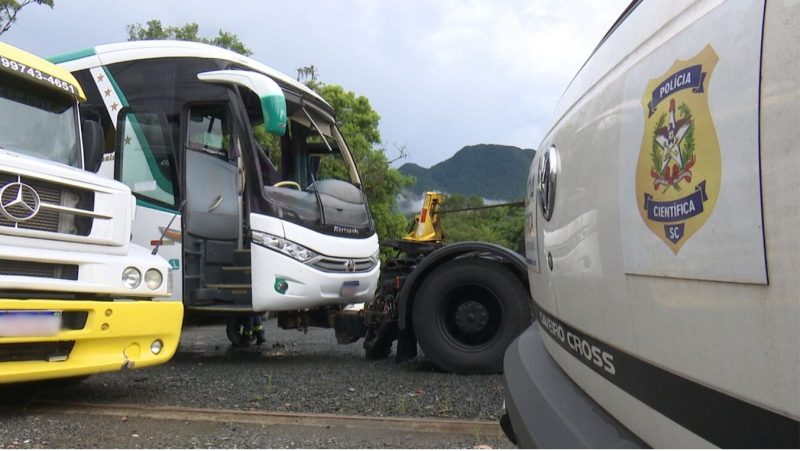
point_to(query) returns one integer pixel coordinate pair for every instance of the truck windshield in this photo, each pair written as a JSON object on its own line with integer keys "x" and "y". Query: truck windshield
{"x": 38, "y": 122}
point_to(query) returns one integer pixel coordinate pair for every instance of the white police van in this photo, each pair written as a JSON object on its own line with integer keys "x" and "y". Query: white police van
{"x": 663, "y": 238}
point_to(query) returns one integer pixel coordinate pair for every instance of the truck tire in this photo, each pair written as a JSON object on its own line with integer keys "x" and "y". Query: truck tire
{"x": 467, "y": 312}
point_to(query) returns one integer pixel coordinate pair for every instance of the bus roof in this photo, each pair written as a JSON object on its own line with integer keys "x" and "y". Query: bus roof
{"x": 39, "y": 70}
{"x": 106, "y": 54}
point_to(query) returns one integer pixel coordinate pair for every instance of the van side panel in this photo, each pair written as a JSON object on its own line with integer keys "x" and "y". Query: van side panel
{"x": 734, "y": 331}
{"x": 778, "y": 359}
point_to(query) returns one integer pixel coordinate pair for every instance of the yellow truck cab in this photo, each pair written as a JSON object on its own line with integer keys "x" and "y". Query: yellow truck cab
{"x": 663, "y": 239}
{"x": 76, "y": 297}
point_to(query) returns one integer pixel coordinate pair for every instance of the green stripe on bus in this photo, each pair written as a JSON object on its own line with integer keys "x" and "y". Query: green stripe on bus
{"x": 76, "y": 55}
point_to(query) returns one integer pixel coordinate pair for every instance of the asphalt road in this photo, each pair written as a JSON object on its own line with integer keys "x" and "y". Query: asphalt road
{"x": 292, "y": 372}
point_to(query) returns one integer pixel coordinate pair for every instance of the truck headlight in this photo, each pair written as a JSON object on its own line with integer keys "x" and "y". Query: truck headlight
{"x": 131, "y": 277}
{"x": 153, "y": 279}
{"x": 283, "y": 246}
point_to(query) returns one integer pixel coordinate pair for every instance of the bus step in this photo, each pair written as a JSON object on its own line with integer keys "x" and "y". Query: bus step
{"x": 237, "y": 275}
{"x": 241, "y": 257}
{"x": 237, "y": 293}
{"x": 230, "y": 286}
{"x": 209, "y": 296}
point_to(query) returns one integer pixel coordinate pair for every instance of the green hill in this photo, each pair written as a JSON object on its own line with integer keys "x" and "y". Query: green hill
{"x": 490, "y": 171}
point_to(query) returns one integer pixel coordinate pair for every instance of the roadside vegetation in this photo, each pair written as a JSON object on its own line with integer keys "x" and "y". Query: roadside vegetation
{"x": 10, "y": 8}
{"x": 501, "y": 225}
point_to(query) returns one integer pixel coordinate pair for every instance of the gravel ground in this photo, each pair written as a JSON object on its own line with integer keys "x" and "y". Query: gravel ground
{"x": 81, "y": 431}
{"x": 292, "y": 372}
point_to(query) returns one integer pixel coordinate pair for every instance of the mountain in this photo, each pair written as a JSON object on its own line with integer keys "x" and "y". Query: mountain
{"x": 489, "y": 171}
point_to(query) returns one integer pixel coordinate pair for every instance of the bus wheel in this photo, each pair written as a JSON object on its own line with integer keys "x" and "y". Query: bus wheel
{"x": 234, "y": 329}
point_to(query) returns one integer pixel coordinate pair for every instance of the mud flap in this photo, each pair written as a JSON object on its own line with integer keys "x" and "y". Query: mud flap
{"x": 406, "y": 346}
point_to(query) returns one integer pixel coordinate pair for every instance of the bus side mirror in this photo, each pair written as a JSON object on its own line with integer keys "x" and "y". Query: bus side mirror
{"x": 274, "y": 110}
{"x": 273, "y": 102}
{"x": 93, "y": 144}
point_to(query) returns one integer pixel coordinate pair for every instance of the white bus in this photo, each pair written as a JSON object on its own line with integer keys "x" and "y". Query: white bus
{"x": 246, "y": 228}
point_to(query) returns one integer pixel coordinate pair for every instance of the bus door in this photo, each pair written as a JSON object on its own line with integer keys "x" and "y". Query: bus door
{"x": 146, "y": 161}
{"x": 213, "y": 208}
{"x": 217, "y": 273}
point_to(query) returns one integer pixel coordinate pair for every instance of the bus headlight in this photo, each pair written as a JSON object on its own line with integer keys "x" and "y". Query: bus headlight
{"x": 283, "y": 246}
{"x": 153, "y": 279}
{"x": 131, "y": 277}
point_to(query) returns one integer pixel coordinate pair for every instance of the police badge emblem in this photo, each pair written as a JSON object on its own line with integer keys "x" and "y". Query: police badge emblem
{"x": 679, "y": 168}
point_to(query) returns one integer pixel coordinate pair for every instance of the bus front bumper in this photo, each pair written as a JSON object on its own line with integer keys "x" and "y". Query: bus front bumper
{"x": 95, "y": 337}
{"x": 281, "y": 283}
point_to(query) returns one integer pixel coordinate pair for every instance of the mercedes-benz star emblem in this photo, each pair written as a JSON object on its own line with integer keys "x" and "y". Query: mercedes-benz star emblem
{"x": 350, "y": 266}
{"x": 19, "y": 202}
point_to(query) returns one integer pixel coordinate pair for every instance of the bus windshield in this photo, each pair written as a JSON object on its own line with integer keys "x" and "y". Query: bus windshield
{"x": 38, "y": 122}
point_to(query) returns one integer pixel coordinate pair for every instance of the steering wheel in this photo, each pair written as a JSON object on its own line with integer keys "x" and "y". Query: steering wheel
{"x": 288, "y": 184}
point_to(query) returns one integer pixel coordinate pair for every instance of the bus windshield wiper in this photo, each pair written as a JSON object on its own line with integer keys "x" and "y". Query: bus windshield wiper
{"x": 316, "y": 127}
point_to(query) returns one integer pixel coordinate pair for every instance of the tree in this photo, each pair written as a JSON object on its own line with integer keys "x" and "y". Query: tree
{"x": 189, "y": 32}
{"x": 501, "y": 225}
{"x": 10, "y": 8}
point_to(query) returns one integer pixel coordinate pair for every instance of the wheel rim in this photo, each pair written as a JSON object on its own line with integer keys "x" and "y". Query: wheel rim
{"x": 471, "y": 317}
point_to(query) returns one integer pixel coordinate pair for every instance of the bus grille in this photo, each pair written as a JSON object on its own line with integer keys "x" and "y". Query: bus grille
{"x": 333, "y": 264}
{"x": 24, "y": 352}
{"x": 37, "y": 269}
{"x": 47, "y": 220}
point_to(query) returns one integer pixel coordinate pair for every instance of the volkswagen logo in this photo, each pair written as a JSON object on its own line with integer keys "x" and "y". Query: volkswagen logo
{"x": 549, "y": 166}
{"x": 19, "y": 202}
{"x": 350, "y": 266}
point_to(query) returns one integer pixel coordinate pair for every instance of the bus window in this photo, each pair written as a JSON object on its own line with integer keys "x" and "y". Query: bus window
{"x": 329, "y": 166}
{"x": 207, "y": 131}
{"x": 147, "y": 165}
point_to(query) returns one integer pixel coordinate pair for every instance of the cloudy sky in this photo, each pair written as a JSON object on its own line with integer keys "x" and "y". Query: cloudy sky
{"x": 443, "y": 74}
